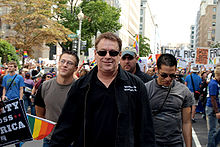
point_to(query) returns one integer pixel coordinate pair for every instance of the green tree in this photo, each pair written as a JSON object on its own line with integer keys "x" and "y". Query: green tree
{"x": 33, "y": 24}
{"x": 99, "y": 17}
{"x": 144, "y": 46}
{"x": 216, "y": 45}
{"x": 7, "y": 52}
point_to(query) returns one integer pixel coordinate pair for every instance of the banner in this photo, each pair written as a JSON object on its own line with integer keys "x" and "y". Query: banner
{"x": 202, "y": 56}
{"x": 13, "y": 123}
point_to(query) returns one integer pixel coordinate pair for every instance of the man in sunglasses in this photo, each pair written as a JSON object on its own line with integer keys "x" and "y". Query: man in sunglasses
{"x": 171, "y": 103}
{"x": 51, "y": 95}
{"x": 108, "y": 106}
{"x": 129, "y": 63}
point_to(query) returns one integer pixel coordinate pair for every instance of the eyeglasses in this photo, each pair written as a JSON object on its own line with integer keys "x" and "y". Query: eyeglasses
{"x": 111, "y": 53}
{"x": 127, "y": 57}
{"x": 164, "y": 75}
{"x": 69, "y": 63}
{"x": 49, "y": 77}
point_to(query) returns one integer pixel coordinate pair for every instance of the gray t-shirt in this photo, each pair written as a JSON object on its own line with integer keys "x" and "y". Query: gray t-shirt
{"x": 168, "y": 123}
{"x": 54, "y": 96}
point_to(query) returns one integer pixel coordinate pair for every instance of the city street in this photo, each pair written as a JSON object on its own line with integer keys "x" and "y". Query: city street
{"x": 199, "y": 134}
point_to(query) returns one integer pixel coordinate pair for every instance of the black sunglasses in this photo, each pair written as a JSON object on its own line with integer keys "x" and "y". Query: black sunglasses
{"x": 164, "y": 75}
{"x": 111, "y": 53}
{"x": 49, "y": 77}
{"x": 127, "y": 57}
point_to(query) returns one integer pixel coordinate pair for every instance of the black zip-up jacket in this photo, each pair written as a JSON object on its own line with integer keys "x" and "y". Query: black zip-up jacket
{"x": 134, "y": 124}
{"x": 143, "y": 76}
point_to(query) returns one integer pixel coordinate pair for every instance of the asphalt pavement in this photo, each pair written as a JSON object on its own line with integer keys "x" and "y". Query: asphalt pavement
{"x": 200, "y": 132}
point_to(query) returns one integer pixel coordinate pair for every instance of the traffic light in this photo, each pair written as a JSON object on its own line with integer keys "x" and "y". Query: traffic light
{"x": 75, "y": 45}
{"x": 52, "y": 52}
{"x": 83, "y": 45}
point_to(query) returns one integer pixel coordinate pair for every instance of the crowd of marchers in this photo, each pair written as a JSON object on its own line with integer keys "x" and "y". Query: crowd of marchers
{"x": 115, "y": 104}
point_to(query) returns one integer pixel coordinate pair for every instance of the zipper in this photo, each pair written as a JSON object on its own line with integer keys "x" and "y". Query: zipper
{"x": 84, "y": 125}
{"x": 118, "y": 114}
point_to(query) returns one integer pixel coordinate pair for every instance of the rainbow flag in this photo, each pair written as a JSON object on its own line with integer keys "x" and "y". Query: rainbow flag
{"x": 25, "y": 54}
{"x": 136, "y": 43}
{"x": 93, "y": 63}
{"x": 150, "y": 58}
{"x": 139, "y": 60}
{"x": 40, "y": 128}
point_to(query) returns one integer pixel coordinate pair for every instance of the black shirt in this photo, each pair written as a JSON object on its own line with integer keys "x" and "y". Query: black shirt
{"x": 101, "y": 115}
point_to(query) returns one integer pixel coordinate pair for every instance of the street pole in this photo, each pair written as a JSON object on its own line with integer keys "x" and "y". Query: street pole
{"x": 80, "y": 17}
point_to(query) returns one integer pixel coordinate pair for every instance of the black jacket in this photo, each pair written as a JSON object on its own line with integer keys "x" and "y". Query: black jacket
{"x": 134, "y": 124}
{"x": 143, "y": 76}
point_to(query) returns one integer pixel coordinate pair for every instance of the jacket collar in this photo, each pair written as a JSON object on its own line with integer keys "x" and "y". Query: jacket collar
{"x": 138, "y": 70}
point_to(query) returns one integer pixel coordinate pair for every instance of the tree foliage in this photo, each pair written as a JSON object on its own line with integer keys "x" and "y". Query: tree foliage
{"x": 7, "y": 52}
{"x": 144, "y": 46}
{"x": 216, "y": 45}
{"x": 99, "y": 17}
{"x": 33, "y": 23}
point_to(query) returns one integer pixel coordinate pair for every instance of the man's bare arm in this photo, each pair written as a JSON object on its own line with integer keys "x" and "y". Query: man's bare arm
{"x": 187, "y": 126}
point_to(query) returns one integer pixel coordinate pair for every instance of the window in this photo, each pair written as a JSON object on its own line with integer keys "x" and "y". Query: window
{"x": 213, "y": 38}
{"x": 142, "y": 12}
{"x": 192, "y": 41}
{"x": 8, "y": 26}
{"x": 192, "y": 46}
{"x": 192, "y": 32}
{"x": 214, "y": 9}
{"x": 213, "y": 24}
{"x": 193, "y": 28}
{"x": 192, "y": 37}
{"x": 213, "y": 16}
{"x": 213, "y": 31}
{"x": 141, "y": 19}
{"x": 214, "y": 2}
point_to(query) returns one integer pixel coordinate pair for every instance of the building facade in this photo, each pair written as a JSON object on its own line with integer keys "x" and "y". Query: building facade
{"x": 149, "y": 28}
{"x": 217, "y": 32}
{"x": 206, "y": 23}
{"x": 192, "y": 37}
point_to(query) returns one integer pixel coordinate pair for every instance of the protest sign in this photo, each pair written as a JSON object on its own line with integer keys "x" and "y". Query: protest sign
{"x": 13, "y": 124}
{"x": 202, "y": 56}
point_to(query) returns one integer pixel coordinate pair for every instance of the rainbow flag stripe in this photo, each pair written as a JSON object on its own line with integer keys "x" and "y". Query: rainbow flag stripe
{"x": 40, "y": 128}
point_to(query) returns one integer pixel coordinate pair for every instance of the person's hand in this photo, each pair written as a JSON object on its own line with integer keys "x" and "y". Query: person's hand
{"x": 217, "y": 115}
{"x": 4, "y": 98}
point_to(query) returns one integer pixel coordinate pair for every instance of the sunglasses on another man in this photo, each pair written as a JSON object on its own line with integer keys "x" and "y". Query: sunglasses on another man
{"x": 164, "y": 75}
{"x": 127, "y": 57}
{"x": 111, "y": 53}
{"x": 49, "y": 77}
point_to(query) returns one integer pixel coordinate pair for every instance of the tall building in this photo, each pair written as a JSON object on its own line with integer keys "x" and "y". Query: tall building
{"x": 207, "y": 23}
{"x": 148, "y": 27}
{"x": 192, "y": 37}
{"x": 130, "y": 19}
{"x": 217, "y": 32}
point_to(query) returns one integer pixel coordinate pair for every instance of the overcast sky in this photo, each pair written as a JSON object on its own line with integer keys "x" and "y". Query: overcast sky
{"x": 174, "y": 18}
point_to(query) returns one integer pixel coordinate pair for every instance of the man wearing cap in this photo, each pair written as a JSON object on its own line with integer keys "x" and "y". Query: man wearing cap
{"x": 129, "y": 63}
{"x": 193, "y": 82}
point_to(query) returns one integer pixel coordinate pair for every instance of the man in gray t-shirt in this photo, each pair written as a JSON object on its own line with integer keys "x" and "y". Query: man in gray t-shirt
{"x": 171, "y": 115}
{"x": 51, "y": 96}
